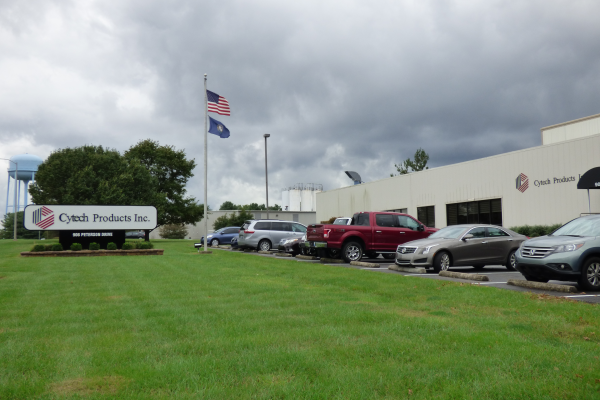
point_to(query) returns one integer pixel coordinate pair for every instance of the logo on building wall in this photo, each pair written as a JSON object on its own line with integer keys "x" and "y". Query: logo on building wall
{"x": 43, "y": 217}
{"x": 522, "y": 183}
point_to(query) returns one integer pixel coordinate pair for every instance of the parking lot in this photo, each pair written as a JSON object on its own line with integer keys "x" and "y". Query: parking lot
{"x": 498, "y": 277}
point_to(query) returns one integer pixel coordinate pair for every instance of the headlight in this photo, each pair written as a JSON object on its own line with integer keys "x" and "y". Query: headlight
{"x": 568, "y": 247}
{"x": 290, "y": 241}
{"x": 426, "y": 249}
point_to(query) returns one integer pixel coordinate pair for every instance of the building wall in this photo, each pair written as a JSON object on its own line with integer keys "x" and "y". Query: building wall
{"x": 576, "y": 129}
{"x": 487, "y": 178}
{"x": 195, "y": 232}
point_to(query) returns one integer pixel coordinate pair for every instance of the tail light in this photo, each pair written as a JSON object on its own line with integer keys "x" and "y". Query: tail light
{"x": 248, "y": 231}
{"x": 326, "y": 233}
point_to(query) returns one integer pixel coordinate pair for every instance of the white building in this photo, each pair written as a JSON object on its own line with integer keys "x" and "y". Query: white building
{"x": 532, "y": 186}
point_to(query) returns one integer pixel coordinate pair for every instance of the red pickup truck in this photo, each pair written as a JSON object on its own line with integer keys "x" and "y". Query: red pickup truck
{"x": 370, "y": 233}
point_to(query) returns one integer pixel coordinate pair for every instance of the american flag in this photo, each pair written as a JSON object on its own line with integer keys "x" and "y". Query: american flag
{"x": 522, "y": 183}
{"x": 217, "y": 104}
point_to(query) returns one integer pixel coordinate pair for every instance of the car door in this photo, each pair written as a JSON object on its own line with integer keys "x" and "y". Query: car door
{"x": 228, "y": 234}
{"x": 500, "y": 244}
{"x": 409, "y": 229}
{"x": 473, "y": 250}
{"x": 386, "y": 232}
{"x": 280, "y": 230}
{"x": 298, "y": 230}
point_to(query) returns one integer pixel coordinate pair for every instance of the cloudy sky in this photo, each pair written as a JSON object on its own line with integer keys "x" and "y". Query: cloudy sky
{"x": 339, "y": 85}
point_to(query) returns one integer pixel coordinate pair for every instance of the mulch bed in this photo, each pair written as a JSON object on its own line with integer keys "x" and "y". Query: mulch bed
{"x": 93, "y": 253}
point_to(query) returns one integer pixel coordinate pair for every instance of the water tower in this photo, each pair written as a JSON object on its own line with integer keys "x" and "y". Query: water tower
{"x": 25, "y": 172}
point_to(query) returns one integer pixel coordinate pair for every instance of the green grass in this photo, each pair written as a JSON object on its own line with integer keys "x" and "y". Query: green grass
{"x": 233, "y": 325}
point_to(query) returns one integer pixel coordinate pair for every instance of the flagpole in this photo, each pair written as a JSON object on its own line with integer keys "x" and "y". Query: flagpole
{"x": 205, "y": 164}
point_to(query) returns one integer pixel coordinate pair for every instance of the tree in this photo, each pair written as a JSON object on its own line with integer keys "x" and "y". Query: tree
{"x": 232, "y": 220}
{"x": 419, "y": 164}
{"x": 171, "y": 171}
{"x": 92, "y": 175}
{"x": 227, "y": 205}
{"x": 8, "y": 223}
{"x": 173, "y": 231}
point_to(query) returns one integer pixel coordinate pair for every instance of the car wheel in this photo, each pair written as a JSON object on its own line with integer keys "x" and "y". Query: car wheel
{"x": 333, "y": 253}
{"x": 388, "y": 256}
{"x": 352, "y": 252}
{"x": 511, "y": 261}
{"x": 214, "y": 242}
{"x": 441, "y": 262}
{"x": 590, "y": 274}
{"x": 478, "y": 266}
{"x": 264, "y": 245}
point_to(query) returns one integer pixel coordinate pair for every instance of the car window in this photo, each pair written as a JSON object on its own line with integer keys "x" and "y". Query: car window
{"x": 298, "y": 228}
{"x": 262, "y": 226}
{"x": 579, "y": 227}
{"x": 477, "y": 232}
{"x": 407, "y": 222}
{"x": 386, "y": 220}
{"x": 230, "y": 230}
{"x": 286, "y": 226}
{"x": 245, "y": 226}
{"x": 361, "y": 219}
{"x": 495, "y": 232}
{"x": 449, "y": 232}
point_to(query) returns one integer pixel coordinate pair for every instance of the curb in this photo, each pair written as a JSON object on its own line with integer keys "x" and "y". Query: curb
{"x": 283, "y": 255}
{"x": 462, "y": 275}
{"x": 94, "y": 253}
{"x": 417, "y": 270}
{"x": 364, "y": 264}
{"x": 303, "y": 257}
{"x": 542, "y": 286}
{"x": 264, "y": 252}
{"x": 332, "y": 260}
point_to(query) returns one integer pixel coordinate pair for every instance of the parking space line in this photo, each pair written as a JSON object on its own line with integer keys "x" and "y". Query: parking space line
{"x": 583, "y": 295}
{"x": 486, "y": 283}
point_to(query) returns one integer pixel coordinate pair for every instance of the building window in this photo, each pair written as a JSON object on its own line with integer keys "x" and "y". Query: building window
{"x": 474, "y": 212}
{"x": 426, "y": 215}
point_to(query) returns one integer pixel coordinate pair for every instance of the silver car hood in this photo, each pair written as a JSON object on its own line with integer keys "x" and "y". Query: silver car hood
{"x": 427, "y": 242}
{"x": 550, "y": 241}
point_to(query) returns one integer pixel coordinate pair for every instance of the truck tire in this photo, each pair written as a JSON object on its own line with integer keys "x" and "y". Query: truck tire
{"x": 333, "y": 253}
{"x": 389, "y": 256}
{"x": 352, "y": 251}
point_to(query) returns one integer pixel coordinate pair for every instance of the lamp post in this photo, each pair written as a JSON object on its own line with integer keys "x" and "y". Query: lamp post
{"x": 266, "y": 135}
{"x": 15, "y": 199}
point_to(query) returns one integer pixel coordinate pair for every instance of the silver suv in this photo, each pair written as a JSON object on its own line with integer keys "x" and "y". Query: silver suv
{"x": 570, "y": 253}
{"x": 261, "y": 234}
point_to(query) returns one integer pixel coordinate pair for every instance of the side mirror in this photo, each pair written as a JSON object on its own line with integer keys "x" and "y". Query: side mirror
{"x": 468, "y": 236}
{"x": 421, "y": 228}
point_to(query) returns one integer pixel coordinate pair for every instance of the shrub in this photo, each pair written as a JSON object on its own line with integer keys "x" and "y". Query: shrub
{"x": 127, "y": 246}
{"x": 48, "y": 247}
{"x": 76, "y": 247}
{"x": 39, "y": 247}
{"x": 330, "y": 220}
{"x": 111, "y": 246}
{"x": 173, "y": 231}
{"x": 144, "y": 245}
{"x": 233, "y": 219}
{"x": 535, "y": 230}
{"x": 94, "y": 246}
{"x": 57, "y": 247}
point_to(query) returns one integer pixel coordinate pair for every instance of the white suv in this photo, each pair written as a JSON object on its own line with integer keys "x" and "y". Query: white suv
{"x": 262, "y": 234}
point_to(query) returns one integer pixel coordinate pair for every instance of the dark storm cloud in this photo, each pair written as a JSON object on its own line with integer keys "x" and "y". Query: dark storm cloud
{"x": 338, "y": 85}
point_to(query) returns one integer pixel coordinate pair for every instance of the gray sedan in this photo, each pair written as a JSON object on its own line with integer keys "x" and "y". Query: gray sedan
{"x": 460, "y": 245}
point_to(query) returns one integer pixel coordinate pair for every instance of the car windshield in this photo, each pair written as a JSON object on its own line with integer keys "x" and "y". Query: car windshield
{"x": 579, "y": 227}
{"x": 449, "y": 232}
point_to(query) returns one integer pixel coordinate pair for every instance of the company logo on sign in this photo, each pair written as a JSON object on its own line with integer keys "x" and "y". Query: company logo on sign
{"x": 522, "y": 183}
{"x": 43, "y": 217}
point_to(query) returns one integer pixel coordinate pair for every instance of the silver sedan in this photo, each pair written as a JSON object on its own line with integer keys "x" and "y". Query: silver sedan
{"x": 462, "y": 245}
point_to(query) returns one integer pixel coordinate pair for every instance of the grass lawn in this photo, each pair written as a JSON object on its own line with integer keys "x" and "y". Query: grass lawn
{"x": 232, "y": 326}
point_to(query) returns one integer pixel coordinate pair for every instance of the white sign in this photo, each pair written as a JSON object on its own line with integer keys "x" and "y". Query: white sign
{"x": 76, "y": 218}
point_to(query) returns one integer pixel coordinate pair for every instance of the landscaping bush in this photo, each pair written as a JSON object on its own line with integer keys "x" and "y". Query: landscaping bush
{"x": 57, "y": 247}
{"x": 127, "y": 246}
{"x": 94, "y": 246}
{"x": 48, "y": 247}
{"x": 76, "y": 247}
{"x": 144, "y": 245}
{"x": 111, "y": 246}
{"x": 535, "y": 230}
{"x": 173, "y": 231}
{"x": 39, "y": 247}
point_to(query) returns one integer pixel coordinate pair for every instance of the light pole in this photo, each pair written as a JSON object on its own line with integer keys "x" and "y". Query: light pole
{"x": 15, "y": 199}
{"x": 266, "y": 135}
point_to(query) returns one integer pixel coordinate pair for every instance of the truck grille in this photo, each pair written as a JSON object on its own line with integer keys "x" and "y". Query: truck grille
{"x": 536, "y": 252}
{"x": 406, "y": 249}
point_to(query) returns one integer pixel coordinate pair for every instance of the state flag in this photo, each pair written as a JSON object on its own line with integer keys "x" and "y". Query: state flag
{"x": 218, "y": 128}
